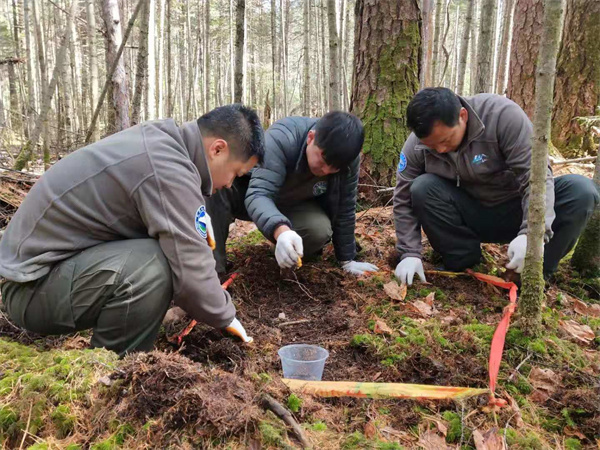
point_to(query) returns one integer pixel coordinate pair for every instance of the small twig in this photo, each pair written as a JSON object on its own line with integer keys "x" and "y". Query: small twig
{"x": 554, "y": 162}
{"x": 512, "y": 375}
{"x": 294, "y": 322}
{"x": 302, "y": 287}
{"x": 271, "y": 404}
{"x": 26, "y": 427}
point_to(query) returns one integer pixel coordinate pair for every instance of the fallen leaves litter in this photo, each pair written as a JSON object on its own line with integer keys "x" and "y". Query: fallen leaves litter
{"x": 579, "y": 333}
{"x": 514, "y": 406}
{"x": 421, "y": 308}
{"x": 430, "y": 440}
{"x": 585, "y": 309}
{"x": 381, "y": 327}
{"x": 490, "y": 440}
{"x": 369, "y": 430}
{"x": 395, "y": 291}
{"x": 545, "y": 382}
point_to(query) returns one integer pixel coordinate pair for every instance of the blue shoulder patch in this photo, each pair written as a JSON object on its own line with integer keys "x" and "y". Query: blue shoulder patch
{"x": 402, "y": 163}
{"x": 200, "y": 221}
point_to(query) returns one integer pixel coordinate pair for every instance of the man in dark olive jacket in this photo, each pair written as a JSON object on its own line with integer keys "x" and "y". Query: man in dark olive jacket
{"x": 114, "y": 231}
{"x": 463, "y": 176}
{"x": 304, "y": 195}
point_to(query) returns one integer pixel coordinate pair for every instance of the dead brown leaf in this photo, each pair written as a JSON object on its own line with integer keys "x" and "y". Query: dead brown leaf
{"x": 394, "y": 291}
{"x": 430, "y": 440}
{"x": 370, "y": 430}
{"x": 545, "y": 382}
{"x": 585, "y": 309}
{"x": 579, "y": 333}
{"x": 490, "y": 440}
{"x": 381, "y": 327}
{"x": 569, "y": 431}
{"x": 421, "y": 308}
{"x": 512, "y": 403}
{"x": 430, "y": 298}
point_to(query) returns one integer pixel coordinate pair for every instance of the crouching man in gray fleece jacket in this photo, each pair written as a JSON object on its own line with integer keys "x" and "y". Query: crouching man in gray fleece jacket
{"x": 114, "y": 231}
{"x": 304, "y": 195}
{"x": 463, "y": 176}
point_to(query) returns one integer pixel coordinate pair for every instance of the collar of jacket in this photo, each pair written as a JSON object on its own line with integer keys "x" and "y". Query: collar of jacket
{"x": 302, "y": 161}
{"x": 475, "y": 128}
{"x": 190, "y": 133}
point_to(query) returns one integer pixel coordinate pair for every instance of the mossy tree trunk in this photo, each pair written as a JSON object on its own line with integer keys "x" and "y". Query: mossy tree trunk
{"x": 586, "y": 258}
{"x": 577, "y": 91}
{"x": 533, "y": 281}
{"x": 527, "y": 30}
{"x": 386, "y": 77}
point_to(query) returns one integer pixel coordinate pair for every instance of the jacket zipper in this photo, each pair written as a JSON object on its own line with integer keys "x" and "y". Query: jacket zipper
{"x": 457, "y": 178}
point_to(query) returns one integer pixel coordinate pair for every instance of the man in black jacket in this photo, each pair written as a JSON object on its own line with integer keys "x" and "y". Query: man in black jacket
{"x": 304, "y": 195}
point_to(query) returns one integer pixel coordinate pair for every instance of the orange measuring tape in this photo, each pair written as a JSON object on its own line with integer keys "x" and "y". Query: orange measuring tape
{"x": 497, "y": 346}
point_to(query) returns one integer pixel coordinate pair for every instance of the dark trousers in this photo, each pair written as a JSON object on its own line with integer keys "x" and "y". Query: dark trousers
{"x": 121, "y": 289}
{"x": 308, "y": 219}
{"x": 456, "y": 224}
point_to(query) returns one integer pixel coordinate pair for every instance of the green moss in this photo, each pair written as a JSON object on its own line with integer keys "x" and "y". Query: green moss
{"x": 63, "y": 420}
{"x": 38, "y": 446}
{"x": 455, "y": 428}
{"x": 270, "y": 434}
{"x": 294, "y": 403}
{"x": 528, "y": 440}
{"x": 318, "y": 426}
{"x": 572, "y": 444}
{"x": 481, "y": 331}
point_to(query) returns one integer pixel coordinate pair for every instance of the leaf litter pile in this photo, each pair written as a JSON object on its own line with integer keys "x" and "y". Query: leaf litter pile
{"x": 207, "y": 392}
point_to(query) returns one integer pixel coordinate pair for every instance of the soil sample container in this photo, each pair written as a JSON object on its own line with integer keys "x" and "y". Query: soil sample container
{"x": 303, "y": 362}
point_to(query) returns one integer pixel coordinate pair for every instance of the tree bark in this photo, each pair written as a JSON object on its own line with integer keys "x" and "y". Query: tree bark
{"x": 533, "y": 280}
{"x": 141, "y": 74}
{"x": 474, "y": 44}
{"x": 273, "y": 52}
{"x": 161, "y": 58}
{"x": 427, "y": 14}
{"x": 240, "y": 23}
{"x": 284, "y": 55}
{"x": 485, "y": 50}
{"x": 439, "y": 26}
{"x": 324, "y": 52}
{"x": 169, "y": 62}
{"x": 306, "y": 60}
{"x": 504, "y": 46}
{"x": 386, "y": 76}
{"x": 577, "y": 92}
{"x": 150, "y": 102}
{"x": 206, "y": 56}
{"x": 41, "y": 121}
{"x": 334, "y": 67}
{"x": 527, "y": 30}
{"x": 31, "y": 97}
{"x": 120, "y": 100}
{"x": 464, "y": 49}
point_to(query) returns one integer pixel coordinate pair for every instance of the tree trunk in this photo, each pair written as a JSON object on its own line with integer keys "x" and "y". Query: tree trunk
{"x": 504, "y": 47}
{"x": 527, "y": 30}
{"x": 141, "y": 74}
{"x": 29, "y": 59}
{"x": 532, "y": 295}
{"x": 169, "y": 62}
{"x": 427, "y": 48}
{"x": 41, "y": 121}
{"x": 343, "y": 70}
{"x": 474, "y": 43}
{"x": 485, "y": 51}
{"x": 120, "y": 100}
{"x": 206, "y": 56}
{"x": 151, "y": 82}
{"x": 464, "y": 49}
{"x": 437, "y": 36}
{"x": 586, "y": 258}
{"x": 41, "y": 50}
{"x": 577, "y": 90}
{"x": 324, "y": 52}
{"x": 334, "y": 66}
{"x": 240, "y": 22}
{"x": 386, "y": 76}
{"x": 161, "y": 57}
{"x": 306, "y": 60}
{"x": 341, "y": 52}
{"x": 273, "y": 50}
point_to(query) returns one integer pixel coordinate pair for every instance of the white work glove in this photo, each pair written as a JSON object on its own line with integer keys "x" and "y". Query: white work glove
{"x": 288, "y": 249}
{"x": 358, "y": 268}
{"x": 406, "y": 269}
{"x": 516, "y": 253}
{"x": 235, "y": 328}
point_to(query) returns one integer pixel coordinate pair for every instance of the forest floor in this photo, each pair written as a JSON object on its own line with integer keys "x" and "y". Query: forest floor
{"x": 207, "y": 393}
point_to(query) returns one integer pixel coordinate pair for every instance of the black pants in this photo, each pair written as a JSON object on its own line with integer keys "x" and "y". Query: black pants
{"x": 456, "y": 224}
{"x": 308, "y": 219}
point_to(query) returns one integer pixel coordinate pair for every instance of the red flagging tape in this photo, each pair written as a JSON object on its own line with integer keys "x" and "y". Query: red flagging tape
{"x": 497, "y": 346}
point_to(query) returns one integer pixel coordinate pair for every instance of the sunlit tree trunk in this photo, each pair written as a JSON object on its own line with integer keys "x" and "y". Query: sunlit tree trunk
{"x": 464, "y": 49}
{"x": 485, "y": 51}
{"x": 334, "y": 66}
{"x": 504, "y": 46}
{"x": 306, "y": 61}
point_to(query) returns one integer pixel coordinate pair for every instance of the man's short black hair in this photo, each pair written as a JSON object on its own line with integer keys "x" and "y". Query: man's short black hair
{"x": 340, "y": 135}
{"x": 429, "y": 106}
{"x": 239, "y": 126}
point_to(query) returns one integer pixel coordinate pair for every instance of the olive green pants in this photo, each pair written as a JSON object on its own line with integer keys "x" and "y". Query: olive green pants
{"x": 121, "y": 289}
{"x": 308, "y": 219}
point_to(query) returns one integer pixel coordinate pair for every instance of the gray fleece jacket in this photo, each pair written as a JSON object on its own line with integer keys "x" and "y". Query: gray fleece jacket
{"x": 492, "y": 166}
{"x": 148, "y": 181}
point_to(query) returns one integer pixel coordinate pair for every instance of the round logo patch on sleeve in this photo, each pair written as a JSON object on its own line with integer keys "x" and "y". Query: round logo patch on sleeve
{"x": 402, "y": 163}
{"x": 200, "y": 221}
